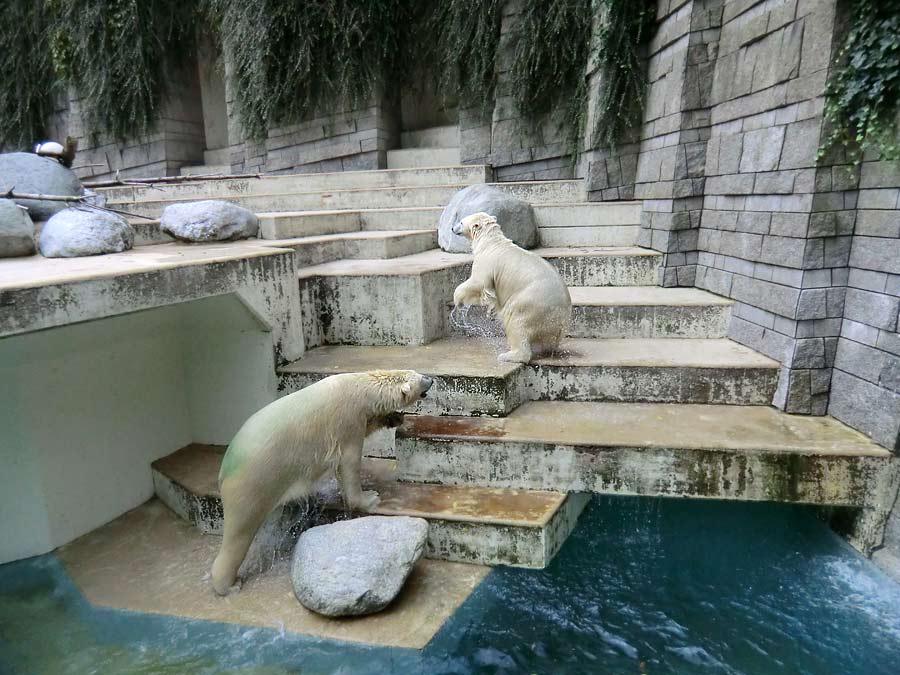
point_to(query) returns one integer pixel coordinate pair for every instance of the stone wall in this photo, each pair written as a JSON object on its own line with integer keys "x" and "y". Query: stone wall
{"x": 176, "y": 140}
{"x": 865, "y": 387}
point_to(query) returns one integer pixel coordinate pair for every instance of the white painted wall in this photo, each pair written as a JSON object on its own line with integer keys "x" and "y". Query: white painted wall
{"x": 85, "y": 409}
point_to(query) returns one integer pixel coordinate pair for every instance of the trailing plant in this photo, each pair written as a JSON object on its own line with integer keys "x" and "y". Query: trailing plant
{"x": 27, "y": 82}
{"x": 552, "y": 48}
{"x": 863, "y": 93}
{"x": 625, "y": 27}
{"x": 119, "y": 55}
{"x": 292, "y": 58}
{"x": 454, "y": 43}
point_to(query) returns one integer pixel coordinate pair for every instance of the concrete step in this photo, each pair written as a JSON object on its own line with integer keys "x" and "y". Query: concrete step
{"x": 205, "y": 170}
{"x": 723, "y": 452}
{"x": 486, "y": 526}
{"x": 578, "y": 224}
{"x": 403, "y": 301}
{"x": 414, "y": 158}
{"x": 381, "y": 197}
{"x": 221, "y": 156}
{"x": 432, "y": 137}
{"x": 622, "y": 312}
{"x": 469, "y": 380}
{"x": 299, "y": 182}
{"x": 381, "y": 245}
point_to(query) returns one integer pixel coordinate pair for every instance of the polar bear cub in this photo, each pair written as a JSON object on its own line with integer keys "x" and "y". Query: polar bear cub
{"x": 524, "y": 289}
{"x": 283, "y": 449}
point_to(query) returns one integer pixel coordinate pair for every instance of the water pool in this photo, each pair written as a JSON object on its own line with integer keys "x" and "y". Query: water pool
{"x": 642, "y": 586}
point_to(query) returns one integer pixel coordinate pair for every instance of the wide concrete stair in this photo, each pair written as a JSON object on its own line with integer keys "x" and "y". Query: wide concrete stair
{"x": 487, "y": 526}
{"x": 435, "y": 146}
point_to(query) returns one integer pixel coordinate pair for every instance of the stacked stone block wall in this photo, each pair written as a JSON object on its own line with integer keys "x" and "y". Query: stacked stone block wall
{"x": 865, "y": 386}
{"x": 177, "y": 138}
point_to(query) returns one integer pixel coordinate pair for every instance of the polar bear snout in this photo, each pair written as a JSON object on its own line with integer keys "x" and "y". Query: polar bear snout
{"x": 426, "y": 385}
{"x": 457, "y": 228}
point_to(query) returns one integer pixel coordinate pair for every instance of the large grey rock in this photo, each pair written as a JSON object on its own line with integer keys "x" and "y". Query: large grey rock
{"x": 357, "y": 566}
{"x": 208, "y": 220}
{"x": 16, "y": 230}
{"x": 80, "y": 232}
{"x": 515, "y": 217}
{"x": 29, "y": 173}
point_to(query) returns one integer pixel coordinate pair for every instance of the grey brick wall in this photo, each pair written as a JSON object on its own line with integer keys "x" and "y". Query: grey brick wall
{"x": 176, "y": 140}
{"x": 865, "y": 387}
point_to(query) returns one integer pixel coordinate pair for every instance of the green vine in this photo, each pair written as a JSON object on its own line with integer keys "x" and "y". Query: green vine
{"x": 551, "y": 55}
{"x": 119, "y": 55}
{"x": 27, "y": 82}
{"x": 292, "y": 59}
{"x": 863, "y": 94}
{"x": 620, "y": 106}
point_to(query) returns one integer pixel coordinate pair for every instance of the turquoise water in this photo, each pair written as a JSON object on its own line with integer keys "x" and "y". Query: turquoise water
{"x": 642, "y": 586}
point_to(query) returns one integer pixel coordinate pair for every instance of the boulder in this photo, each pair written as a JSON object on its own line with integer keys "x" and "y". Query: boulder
{"x": 16, "y": 230}
{"x": 208, "y": 220}
{"x": 358, "y": 566}
{"x": 26, "y": 172}
{"x": 515, "y": 217}
{"x": 78, "y": 232}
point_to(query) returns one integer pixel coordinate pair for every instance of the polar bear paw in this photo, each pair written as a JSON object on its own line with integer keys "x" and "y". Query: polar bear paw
{"x": 368, "y": 500}
{"x": 514, "y": 357}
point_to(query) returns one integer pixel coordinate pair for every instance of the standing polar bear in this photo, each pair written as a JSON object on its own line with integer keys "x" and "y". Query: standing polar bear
{"x": 524, "y": 289}
{"x": 282, "y": 450}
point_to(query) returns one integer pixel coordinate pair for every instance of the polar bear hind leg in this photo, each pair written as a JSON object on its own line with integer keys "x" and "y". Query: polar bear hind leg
{"x": 519, "y": 344}
{"x": 242, "y": 521}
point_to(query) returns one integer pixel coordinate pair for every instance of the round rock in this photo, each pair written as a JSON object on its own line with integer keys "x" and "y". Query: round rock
{"x": 358, "y": 566}
{"x": 208, "y": 220}
{"x": 80, "y": 232}
{"x": 515, "y": 217}
{"x": 16, "y": 230}
{"x": 30, "y": 173}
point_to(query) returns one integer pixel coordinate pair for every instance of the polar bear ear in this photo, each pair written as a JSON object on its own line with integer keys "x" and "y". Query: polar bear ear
{"x": 406, "y": 388}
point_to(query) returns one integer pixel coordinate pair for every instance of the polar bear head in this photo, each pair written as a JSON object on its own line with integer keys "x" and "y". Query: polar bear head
{"x": 471, "y": 227}
{"x": 399, "y": 388}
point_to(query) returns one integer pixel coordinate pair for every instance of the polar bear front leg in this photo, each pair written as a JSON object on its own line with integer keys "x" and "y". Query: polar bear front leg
{"x": 348, "y": 475}
{"x": 468, "y": 293}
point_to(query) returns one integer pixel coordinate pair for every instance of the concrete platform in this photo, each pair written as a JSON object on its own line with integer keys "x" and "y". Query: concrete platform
{"x": 380, "y": 245}
{"x": 545, "y": 192}
{"x": 151, "y": 561}
{"x": 469, "y": 380}
{"x": 300, "y": 182}
{"x": 466, "y": 524}
{"x": 707, "y": 451}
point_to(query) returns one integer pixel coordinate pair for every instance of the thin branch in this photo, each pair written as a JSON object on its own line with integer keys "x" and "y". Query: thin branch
{"x": 171, "y": 179}
{"x": 82, "y": 200}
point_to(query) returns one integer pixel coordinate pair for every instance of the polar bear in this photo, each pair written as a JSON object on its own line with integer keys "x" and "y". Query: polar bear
{"x": 524, "y": 289}
{"x": 282, "y": 450}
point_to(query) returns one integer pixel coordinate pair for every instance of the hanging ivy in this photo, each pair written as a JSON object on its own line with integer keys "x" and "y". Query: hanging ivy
{"x": 622, "y": 32}
{"x": 27, "y": 82}
{"x": 863, "y": 94}
{"x": 551, "y": 55}
{"x": 119, "y": 55}
{"x": 292, "y": 58}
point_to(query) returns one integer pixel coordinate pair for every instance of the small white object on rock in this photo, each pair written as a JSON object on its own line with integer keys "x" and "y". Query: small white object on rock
{"x": 208, "y": 220}
{"x": 80, "y": 232}
{"x": 49, "y": 149}
{"x": 358, "y": 566}
{"x": 16, "y": 230}
{"x": 27, "y": 173}
{"x": 515, "y": 217}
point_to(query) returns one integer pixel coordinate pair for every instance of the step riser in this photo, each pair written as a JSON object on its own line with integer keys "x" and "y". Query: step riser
{"x": 745, "y": 476}
{"x": 363, "y": 249}
{"x": 381, "y": 310}
{"x": 614, "y": 321}
{"x": 608, "y": 270}
{"x": 432, "y": 137}
{"x": 346, "y": 180}
{"x": 601, "y": 235}
{"x": 414, "y": 158}
{"x": 373, "y": 198}
{"x": 466, "y": 542}
{"x": 727, "y": 386}
{"x": 496, "y": 396}
{"x": 291, "y": 227}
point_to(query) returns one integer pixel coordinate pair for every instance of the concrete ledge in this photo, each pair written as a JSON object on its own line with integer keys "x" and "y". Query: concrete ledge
{"x": 722, "y": 452}
{"x": 466, "y": 524}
